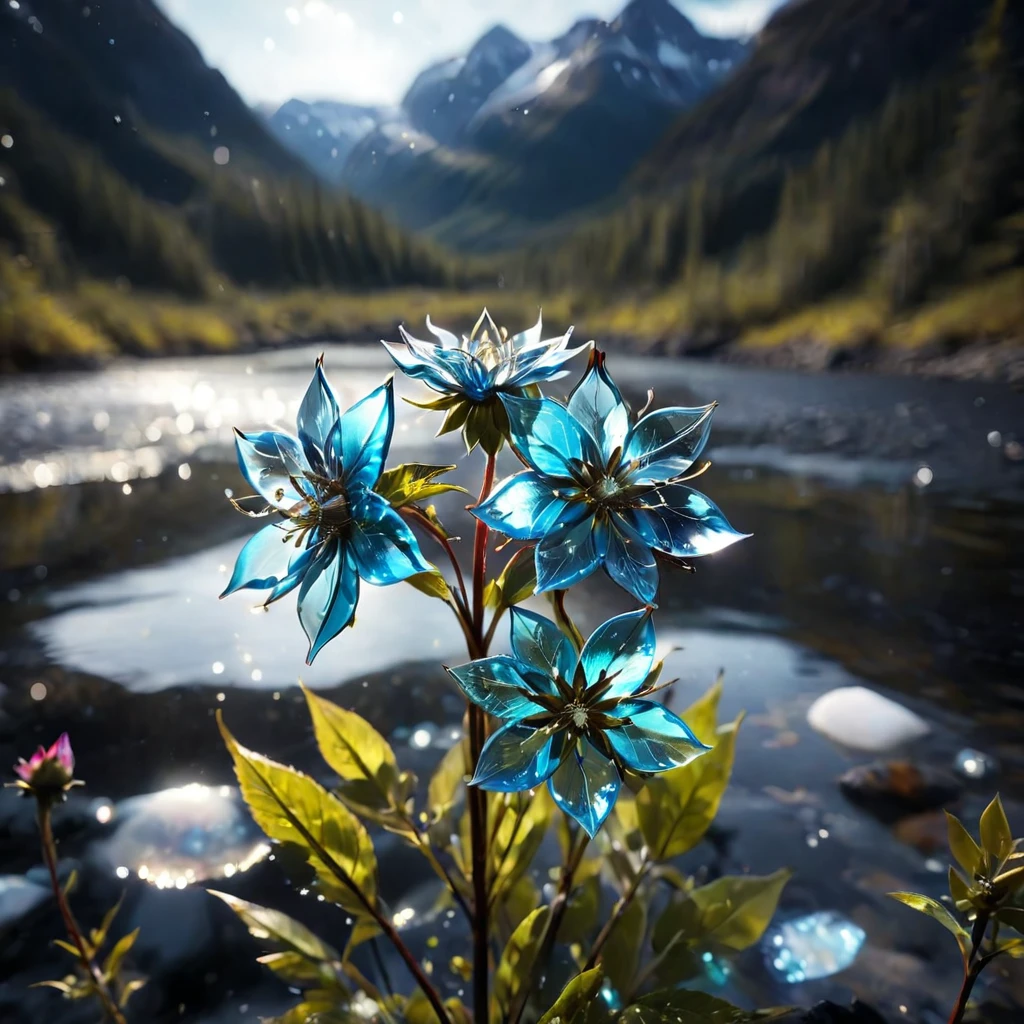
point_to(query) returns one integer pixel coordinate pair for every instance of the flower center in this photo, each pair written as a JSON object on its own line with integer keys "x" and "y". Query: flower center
{"x": 578, "y": 714}
{"x": 328, "y": 511}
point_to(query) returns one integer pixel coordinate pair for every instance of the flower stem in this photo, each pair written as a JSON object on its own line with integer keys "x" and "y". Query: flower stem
{"x": 620, "y": 908}
{"x": 476, "y": 798}
{"x": 103, "y": 993}
{"x": 972, "y": 968}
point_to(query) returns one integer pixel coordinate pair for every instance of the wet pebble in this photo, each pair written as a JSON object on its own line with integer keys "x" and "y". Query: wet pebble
{"x": 861, "y": 719}
{"x": 814, "y": 946}
{"x": 894, "y": 789}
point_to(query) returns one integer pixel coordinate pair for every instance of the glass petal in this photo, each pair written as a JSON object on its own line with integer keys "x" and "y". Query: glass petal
{"x": 529, "y": 339}
{"x": 664, "y": 444}
{"x": 623, "y": 647}
{"x": 447, "y": 339}
{"x": 539, "y": 643}
{"x": 497, "y": 685}
{"x": 683, "y": 522}
{"x": 596, "y": 403}
{"x": 526, "y": 507}
{"x": 365, "y": 436}
{"x": 629, "y": 561}
{"x": 564, "y": 557}
{"x": 384, "y": 549}
{"x": 267, "y": 559}
{"x": 546, "y": 437}
{"x": 585, "y": 786}
{"x": 328, "y": 596}
{"x": 547, "y": 367}
{"x": 269, "y": 461}
{"x": 418, "y": 369}
{"x": 318, "y": 412}
{"x": 652, "y": 738}
{"x": 515, "y": 758}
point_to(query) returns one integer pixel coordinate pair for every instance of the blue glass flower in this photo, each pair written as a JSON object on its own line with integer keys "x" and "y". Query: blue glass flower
{"x": 600, "y": 491}
{"x": 334, "y": 529}
{"x": 485, "y": 363}
{"x": 577, "y": 722}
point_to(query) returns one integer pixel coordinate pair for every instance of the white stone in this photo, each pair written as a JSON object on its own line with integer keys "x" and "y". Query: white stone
{"x": 861, "y": 719}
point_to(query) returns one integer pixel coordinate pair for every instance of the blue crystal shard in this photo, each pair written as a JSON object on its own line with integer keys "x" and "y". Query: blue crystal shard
{"x": 811, "y": 947}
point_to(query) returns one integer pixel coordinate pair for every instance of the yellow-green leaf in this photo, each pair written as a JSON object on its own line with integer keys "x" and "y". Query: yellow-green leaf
{"x": 431, "y": 583}
{"x": 996, "y": 837}
{"x": 443, "y": 789}
{"x": 702, "y": 715}
{"x": 581, "y": 913}
{"x": 412, "y": 482}
{"x": 355, "y": 750}
{"x": 517, "y": 962}
{"x": 938, "y": 912}
{"x": 278, "y": 929}
{"x": 319, "y": 1007}
{"x": 958, "y": 890}
{"x": 735, "y": 910}
{"x": 963, "y": 847}
{"x": 292, "y": 808}
{"x": 128, "y": 989}
{"x": 518, "y": 579}
{"x": 621, "y": 954}
{"x": 572, "y": 1004}
{"x": 685, "y": 1006}
{"x": 112, "y": 965}
{"x": 676, "y": 807}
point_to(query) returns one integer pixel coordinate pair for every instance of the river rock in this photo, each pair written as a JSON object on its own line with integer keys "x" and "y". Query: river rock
{"x": 860, "y": 719}
{"x": 833, "y": 1013}
{"x": 894, "y": 789}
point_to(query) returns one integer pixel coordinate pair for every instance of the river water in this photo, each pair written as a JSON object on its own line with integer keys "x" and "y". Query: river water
{"x": 887, "y": 519}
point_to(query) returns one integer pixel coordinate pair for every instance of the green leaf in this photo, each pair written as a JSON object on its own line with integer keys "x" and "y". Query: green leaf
{"x": 486, "y": 425}
{"x": 934, "y": 909}
{"x": 98, "y": 936}
{"x": 319, "y": 1007}
{"x": 521, "y": 841}
{"x": 129, "y": 989}
{"x": 432, "y": 583}
{"x": 958, "y": 890}
{"x": 413, "y": 482}
{"x": 455, "y": 418}
{"x": 297, "y": 970}
{"x": 963, "y": 847}
{"x": 356, "y": 751}
{"x": 292, "y": 808}
{"x": 450, "y": 774}
{"x": 572, "y": 1004}
{"x": 443, "y": 402}
{"x": 279, "y": 929}
{"x": 673, "y": 938}
{"x": 621, "y": 954}
{"x": 1012, "y": 947}
{"x": 581, "y": 913}
{"x": 112, "y": 965}
{"x": 735, "y": 910}
{"x": 996, "y": 837}
{"x": 518, "y": 579}
{"x": 682, "y": 1006}
{"x": 702, "y": 715}
{"x": 676, "y": 807}
{"x": 1013, "y": 916}
{"x": 515, "y": 968}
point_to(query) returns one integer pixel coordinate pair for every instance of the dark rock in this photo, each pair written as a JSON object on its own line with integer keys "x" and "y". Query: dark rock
{"x": 831, "y": 1013}
{"x": 891, "y": 790}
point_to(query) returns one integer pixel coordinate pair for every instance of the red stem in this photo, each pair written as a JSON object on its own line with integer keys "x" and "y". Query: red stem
{"x": 70, "y": 924}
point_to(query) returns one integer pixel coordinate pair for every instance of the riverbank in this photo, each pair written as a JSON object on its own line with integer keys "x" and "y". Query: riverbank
{"x": 975, "y": 333}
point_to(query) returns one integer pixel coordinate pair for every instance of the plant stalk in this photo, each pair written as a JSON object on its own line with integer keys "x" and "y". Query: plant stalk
{"x": 476, "y": 798}
{"x": 107, "y": 1001}
{"x": 620, "y": 908}
{"x": 972, "y": 969}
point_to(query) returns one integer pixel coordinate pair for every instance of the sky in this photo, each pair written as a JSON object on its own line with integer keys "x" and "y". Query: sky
{"x": 369, "y": 51}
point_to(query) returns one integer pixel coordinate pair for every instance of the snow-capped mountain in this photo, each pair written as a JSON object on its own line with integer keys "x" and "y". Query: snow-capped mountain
{"x": 526, "y": 129}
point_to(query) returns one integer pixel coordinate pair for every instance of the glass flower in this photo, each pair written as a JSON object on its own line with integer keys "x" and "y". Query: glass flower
{"x": 485, "y": 363}
{"x": 48, "y": 774}
{"x": 601, "y": 491}
{"x": 577, "y": 722}
{"x": 334, "y": 528}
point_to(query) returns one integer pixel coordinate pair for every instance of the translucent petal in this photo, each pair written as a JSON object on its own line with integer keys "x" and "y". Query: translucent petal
{"x": 622, "y": 647}
{"x": 328, "y": 596}
{"x": 267, "y": 559}
{"x": 585, "y": 786}
{"x": 384, "y": 549}
{"x": 318, "y": 412}
{"x": 546, "y": 437}
{"x": 683, "y": 522}
{"x": 526, "y": 507}
{"x": 563, "y": 558}
{"x": 447, "y": 339}
{"x": 629, "y": 561}
{"x": 418, "y": 369}
{"x": 515, "y": 758}
{"x": 269, "y": 461}
{"x": 654, "y": 739}
{"x": 664, "y": 444}
{"x": 539, "y": 643}
{"x": 547, "y": 367}
{"x": 497, "y": 685}
{"x": 365, "y": 436}
{"x": 596, "y": 403}
{"x": 526, "y": 340}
